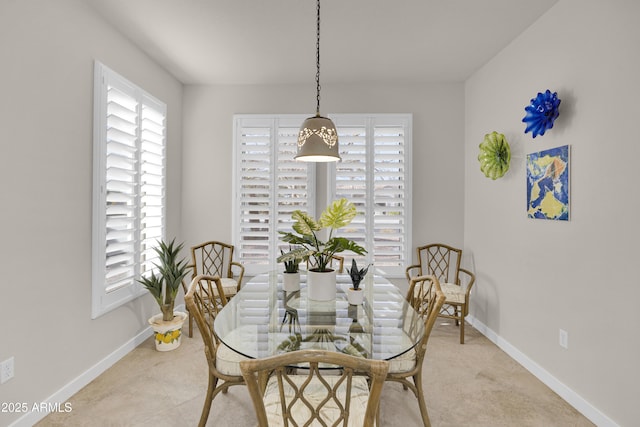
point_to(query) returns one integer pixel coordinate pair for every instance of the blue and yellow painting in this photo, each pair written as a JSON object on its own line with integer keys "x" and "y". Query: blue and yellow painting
{"x": 548, "y": 184}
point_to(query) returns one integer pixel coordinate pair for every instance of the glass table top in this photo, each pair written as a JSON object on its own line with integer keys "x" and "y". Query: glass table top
{"x": 263, "y": 320}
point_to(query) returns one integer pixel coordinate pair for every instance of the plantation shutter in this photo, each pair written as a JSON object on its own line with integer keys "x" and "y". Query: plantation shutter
{"x": 152, "y": 181}
{"x": 129, "y": 183}
{"x": 351, "y": 182}
{"x": 391, "y": 198}
{"x": 375, "y": 175}
{"x": 270, "y": 185}
{"x": 293, "y": 178}
{"x": 120, "y": 187}
{"x": 254, "y": 195}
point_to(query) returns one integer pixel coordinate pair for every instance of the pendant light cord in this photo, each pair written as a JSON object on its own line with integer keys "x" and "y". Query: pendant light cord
{"x": 318, "y": 59}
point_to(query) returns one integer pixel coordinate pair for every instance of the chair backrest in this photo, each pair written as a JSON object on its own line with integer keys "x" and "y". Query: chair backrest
{"x": 204, "y": 299}
{"x": 317, "y": 397}
{"x": 440, "y": 260}
{"x": 212, "y": 258}
{"x": 426, "y": 297}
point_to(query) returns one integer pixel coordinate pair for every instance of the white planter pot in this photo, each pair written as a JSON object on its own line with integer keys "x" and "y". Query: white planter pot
{"x": 321, "y": 286}
{"x": 291, "y": 281}
{"x": 167, "y": 335}
{"x": 355, "y": 297}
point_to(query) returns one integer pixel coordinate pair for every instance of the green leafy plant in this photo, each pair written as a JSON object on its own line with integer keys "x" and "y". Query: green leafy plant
{"x": 164, "y": 287}
{"x": 338, "y": 214}
{"x": 291, "y": 265}
{"x": 357, "y": 275}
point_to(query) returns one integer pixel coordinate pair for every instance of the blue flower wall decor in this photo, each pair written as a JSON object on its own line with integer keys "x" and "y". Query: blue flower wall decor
{"x": 541, "y": 113}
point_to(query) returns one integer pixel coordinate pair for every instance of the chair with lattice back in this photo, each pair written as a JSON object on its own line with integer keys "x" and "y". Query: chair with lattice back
{"x": 443, "y": 261}
{"x": 204, "y": 300}
{"x": 426, "y": 297}
{"x": 215, "y": 258}
{"x": 312, "y": 395}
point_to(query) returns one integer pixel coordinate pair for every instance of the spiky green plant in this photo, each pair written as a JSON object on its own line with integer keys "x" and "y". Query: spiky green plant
{"x": 338, "y": 214}
{"x": 165, "y": 286}
{"x": 357, "y": 274}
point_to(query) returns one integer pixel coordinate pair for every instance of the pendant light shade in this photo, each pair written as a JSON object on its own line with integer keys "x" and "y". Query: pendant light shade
{"x": 318, "y": 138}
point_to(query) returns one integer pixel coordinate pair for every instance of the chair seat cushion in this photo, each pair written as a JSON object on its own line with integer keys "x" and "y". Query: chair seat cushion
{"x": 230, "y": 286}
{"x": 315, "y": 392}
{"x": 403, "y": 363}
{"x": 228, "y": 361}
{"x": 454, "y": 293}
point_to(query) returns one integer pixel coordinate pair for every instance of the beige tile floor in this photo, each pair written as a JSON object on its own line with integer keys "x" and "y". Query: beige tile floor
{"x": 475, "y": 384}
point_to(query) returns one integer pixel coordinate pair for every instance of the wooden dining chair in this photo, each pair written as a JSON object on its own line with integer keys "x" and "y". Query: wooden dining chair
{"x": 443, "y": 261}
{"x": 215, "y": 258}
{"x": 348, "y": 396}
{"x": 427, "y": 298}
{"x": 204, "y": 299}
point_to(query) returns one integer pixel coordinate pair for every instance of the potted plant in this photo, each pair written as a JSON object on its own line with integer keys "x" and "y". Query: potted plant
{"x": 164, "y": 287}
{"x": 355, "y": 296}
{"x": 291, "y": 275}
{"x": 320, "y": 278}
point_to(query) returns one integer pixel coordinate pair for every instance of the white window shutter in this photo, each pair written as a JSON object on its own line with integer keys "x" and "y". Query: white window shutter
{"x": 254, "y": 200}
{"x": 129, "y": 182}
{"x": 351, "y": 181}
{"x": 293, "y": 180}
{"x": 391, "y": 200}
{"x": 374, "y": 174}
{"x": 152, "y": 181}
{"x": 120, "y": 187}
{"x": 269, "y": 186}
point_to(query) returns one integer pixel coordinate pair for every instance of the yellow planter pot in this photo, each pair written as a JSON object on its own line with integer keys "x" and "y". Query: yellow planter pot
{"x": 167, "y": 335}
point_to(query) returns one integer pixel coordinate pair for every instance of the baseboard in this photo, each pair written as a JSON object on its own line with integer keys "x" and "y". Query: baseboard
{"x": 570, "y": 396}
{"x": 65, "y": 393}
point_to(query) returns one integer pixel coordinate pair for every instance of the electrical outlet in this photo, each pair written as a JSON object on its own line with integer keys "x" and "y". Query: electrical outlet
{"x": 564, "y": 339}
{"x": 6, "y": 370}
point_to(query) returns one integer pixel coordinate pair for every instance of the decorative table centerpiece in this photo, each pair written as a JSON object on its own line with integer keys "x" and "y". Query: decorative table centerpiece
{"x": 321, "y": 279}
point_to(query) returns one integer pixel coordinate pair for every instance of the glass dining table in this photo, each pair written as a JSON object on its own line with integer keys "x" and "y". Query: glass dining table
{"x": 262, "y": 320}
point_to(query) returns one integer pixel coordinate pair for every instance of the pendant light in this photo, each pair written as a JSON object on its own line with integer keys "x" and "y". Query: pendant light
{"x": 318, "y": 138}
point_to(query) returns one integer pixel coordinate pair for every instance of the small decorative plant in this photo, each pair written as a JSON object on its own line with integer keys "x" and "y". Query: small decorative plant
{"x": 165, "y": 286}
{"x": 291, "y": 265}
{"x": 338, "y": 214}
{"x": 357, "y": 275}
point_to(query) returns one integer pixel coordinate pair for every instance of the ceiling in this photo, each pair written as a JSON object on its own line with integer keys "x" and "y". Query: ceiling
{"x": 273, "y": 41}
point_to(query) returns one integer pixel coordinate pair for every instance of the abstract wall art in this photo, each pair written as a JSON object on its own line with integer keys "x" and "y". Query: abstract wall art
{"x": 548, "y": 184}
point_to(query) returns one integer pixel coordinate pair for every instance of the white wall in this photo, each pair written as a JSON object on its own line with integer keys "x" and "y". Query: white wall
{"x": 46, "y": 112}
{"x": 536, "y": 276}
{"x": 437, "y": 148}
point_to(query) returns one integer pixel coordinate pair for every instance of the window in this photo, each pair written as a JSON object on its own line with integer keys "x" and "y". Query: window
{"x": 128, "y": 188}
{"x": 269, "y": 186}
{"x": 375, "y": 174}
